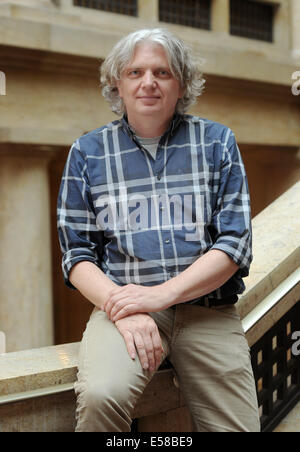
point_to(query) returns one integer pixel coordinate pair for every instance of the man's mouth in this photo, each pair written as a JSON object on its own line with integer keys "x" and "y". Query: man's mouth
{"x": 148, "y": 97}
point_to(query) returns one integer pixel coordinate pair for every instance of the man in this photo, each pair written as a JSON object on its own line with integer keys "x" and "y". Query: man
{"x": 154, "y": 225}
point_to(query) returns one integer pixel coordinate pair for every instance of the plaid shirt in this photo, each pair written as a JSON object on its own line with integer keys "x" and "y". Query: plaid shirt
{"x": 143, "y": 221}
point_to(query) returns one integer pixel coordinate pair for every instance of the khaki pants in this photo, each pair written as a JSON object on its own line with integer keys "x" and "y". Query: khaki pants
{"x": 209, "y": 352}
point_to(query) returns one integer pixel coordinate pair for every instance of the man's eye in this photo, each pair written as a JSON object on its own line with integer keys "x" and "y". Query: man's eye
{"x": 164, "y": 73}
{"x": 134, "y": 72}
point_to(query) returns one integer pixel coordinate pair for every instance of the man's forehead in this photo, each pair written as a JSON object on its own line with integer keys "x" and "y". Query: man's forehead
{"x": 142, "y": 56}
{"x": 146, "y": 48}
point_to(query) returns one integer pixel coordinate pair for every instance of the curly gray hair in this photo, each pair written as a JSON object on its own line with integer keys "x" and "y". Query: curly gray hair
{"x": 184, "y": 66}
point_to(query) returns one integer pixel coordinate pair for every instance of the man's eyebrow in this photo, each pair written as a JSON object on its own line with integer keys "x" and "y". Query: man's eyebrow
{"x": 164, "y": 68}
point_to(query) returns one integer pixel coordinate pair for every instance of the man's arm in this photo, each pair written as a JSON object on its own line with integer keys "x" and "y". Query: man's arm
{"x": 91, "y": 282}
{"x": 206, "y": 274}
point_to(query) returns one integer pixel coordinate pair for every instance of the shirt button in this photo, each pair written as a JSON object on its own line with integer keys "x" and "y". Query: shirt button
{"x": 167, "y": 241}
{"x": 172, "y": 274}
{"x": 158, "y": 176}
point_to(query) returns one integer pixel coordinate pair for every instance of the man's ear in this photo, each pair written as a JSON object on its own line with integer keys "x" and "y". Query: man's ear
{"x": 181, "y": 93}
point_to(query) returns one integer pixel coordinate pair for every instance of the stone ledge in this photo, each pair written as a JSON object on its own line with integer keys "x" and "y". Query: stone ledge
{"x": 276, "y": 248}
{"x": 40, "y": 137}
{"x": 29, "y": 370}
{"x": 38, "y": 368}
{"x": 49, "y": 367}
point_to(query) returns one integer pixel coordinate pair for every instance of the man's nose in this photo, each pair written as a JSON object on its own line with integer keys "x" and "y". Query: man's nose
{"x": 149, "y": 80}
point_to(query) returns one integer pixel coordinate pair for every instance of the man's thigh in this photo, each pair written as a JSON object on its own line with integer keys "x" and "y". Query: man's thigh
{"x": 109, "y": 382}
{"x": 212, "y": 359}
{"x": 103, "y": 356}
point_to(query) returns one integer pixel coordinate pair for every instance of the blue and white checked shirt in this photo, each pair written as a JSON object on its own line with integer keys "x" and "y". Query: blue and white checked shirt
{"x": 144, "y": 221}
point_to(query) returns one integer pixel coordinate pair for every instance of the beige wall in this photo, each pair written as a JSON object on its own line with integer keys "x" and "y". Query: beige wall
{"x": 56, "y": 101}
{"x": 48, "y": 100}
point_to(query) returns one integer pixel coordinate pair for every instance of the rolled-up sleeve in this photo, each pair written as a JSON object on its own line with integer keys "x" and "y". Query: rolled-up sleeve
{"x": 231, "y": 219}
{"x": 79, "y": 237}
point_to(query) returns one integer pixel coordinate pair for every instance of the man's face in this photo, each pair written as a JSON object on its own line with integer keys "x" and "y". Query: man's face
{"x": 147, "y": 85}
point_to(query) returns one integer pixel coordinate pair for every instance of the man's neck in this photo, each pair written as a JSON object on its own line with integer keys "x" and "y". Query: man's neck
{"x": 149, "y": 127}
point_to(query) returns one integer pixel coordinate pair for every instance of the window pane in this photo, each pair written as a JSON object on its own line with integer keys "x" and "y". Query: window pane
{"x": 192, "y": 13}
{"x": 251, "y": 19}
{"x": 128, "y": 7}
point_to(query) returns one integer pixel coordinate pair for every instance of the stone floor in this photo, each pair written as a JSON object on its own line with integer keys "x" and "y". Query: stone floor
{"x": 291, "y": 423}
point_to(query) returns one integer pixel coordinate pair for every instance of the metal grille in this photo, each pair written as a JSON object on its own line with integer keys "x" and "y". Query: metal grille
{"x": 192, "y": 13}
{"x": 128, "y": 7}
{"x": 277, "y": 370}
{"x": 251, "y": 19}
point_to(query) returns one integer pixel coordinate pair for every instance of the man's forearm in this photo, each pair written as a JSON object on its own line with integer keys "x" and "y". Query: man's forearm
{"x": 206, "y": 274}
{"x": 91, "y": 282}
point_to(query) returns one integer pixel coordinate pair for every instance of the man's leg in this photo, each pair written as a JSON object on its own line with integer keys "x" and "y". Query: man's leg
{"x": 211, "y": 357}
{"x": 109, "y": 381}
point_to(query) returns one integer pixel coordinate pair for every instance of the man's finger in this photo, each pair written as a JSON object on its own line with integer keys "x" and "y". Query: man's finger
{"x": 124, "y": 311}
{"x": 116, "y": 309}
{"x": 129, "y": 342}
{"x": 112, "y": 307}
{"x": 140, "y": 346}
{"x": 150, "y": 352}
{"x": 158, "y": 348}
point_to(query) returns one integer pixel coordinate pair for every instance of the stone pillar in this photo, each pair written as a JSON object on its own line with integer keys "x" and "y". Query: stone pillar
{"x": 64, "y": 4}
{"x": 25, "y": 252}
{"x": 220, "y": 16}
{"x": 281, "y": 26}
{"x": 148, "y": 10}
{"x": 295, "y": 29}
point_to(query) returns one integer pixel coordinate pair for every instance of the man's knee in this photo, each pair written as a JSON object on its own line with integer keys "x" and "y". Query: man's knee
{"x": 105, "y": 395}
{"x": 103, "y": 407}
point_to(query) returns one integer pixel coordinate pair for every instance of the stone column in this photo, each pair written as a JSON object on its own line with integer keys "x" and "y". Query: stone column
{"x": 25, "y": 253}
{"x": 220, "y": 16}
{"x": 148, "y": 10}
{"x": 281, "y": 26}
{"x": 295, "y": 29}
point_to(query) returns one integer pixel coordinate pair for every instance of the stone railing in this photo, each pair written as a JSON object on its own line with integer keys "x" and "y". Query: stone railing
{"x": 36, "y": 386}
{"x": 36, "y": 392}
{"x": 276, "y": 250}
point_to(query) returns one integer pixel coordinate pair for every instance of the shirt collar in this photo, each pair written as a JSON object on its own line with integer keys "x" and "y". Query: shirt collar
{"x": 176, "y": 120}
